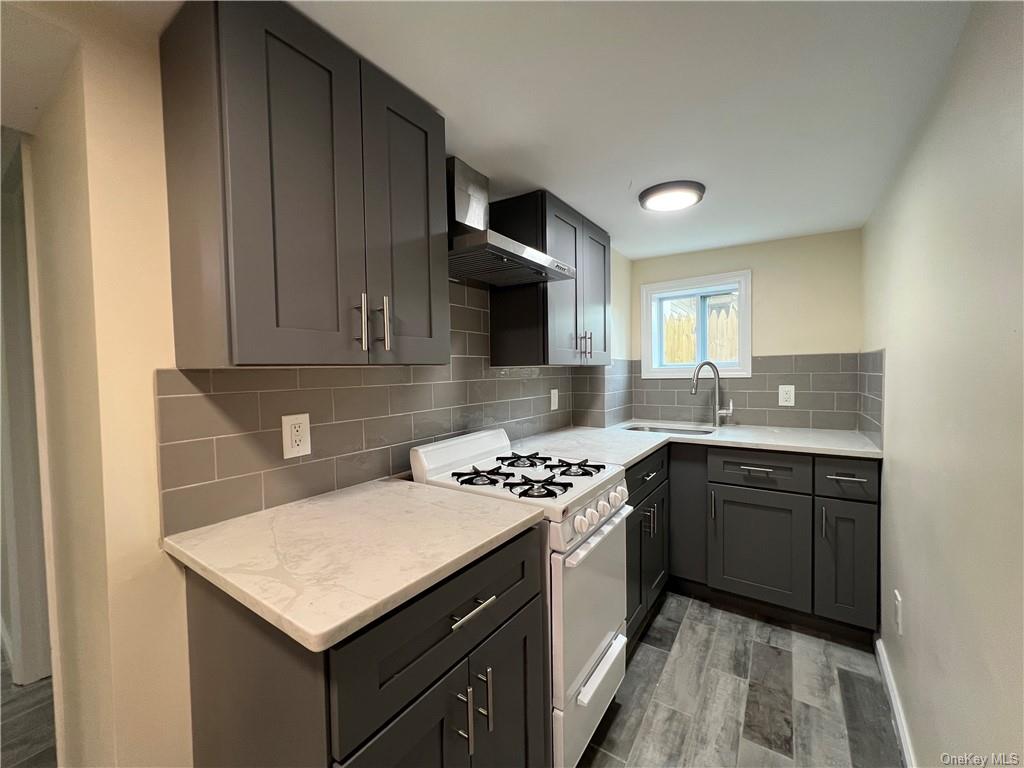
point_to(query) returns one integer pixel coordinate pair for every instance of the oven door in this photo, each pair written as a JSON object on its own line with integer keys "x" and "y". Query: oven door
{"x": 588, "y": 605}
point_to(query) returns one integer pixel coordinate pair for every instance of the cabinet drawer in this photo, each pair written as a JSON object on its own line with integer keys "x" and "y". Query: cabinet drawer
{"x": 854, "y": 479}
{"x": 760, "y": 469}
{"x": 647, "y": 474}
{"x": 377, "y": 673}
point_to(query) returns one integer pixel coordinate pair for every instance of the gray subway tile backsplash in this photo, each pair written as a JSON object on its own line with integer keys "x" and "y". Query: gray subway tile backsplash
{"x": 833, "y": 391}
{"x": 220, "y": 439}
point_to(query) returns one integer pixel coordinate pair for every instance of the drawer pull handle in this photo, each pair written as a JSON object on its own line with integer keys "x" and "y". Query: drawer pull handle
{"x": 488, "y": 679}
{"x": 824, "y": 530}
{"x": 846, "y": 478}
{"x": 756, "y": 469}
{"x": 712, "y": 505}
{"x": 469, "y": 737}
{"x": 649, "y": 475}
{"x": 460, "y": 620}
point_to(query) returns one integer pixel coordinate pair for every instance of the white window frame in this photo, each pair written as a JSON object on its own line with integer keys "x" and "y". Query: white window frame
{"x": 651, "y": 292}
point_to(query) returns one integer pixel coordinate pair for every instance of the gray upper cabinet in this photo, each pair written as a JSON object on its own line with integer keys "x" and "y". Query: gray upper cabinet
{"x": 560, "y": 322}
{"x": 595, "y": 293}
{"x": 406, "y": 222}
{"x": 846, "y": 561}
{"x": 280, "y": 144}
{"x": 759, "y": 545}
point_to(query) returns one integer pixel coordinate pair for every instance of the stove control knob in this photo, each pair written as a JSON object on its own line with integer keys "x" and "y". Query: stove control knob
{"x": 603, "y": 508}
{"x": 623, "y": 492}
{"x": 592, "y": 516}
{"x": 615, "y": 499}
{"x": 580, "y": 524}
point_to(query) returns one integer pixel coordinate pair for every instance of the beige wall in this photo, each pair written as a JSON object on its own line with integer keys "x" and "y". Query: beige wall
{"x": 943, "y": 285}
{"x": 806, "y": 290}
{"x": 101, "y": 215}
{"x": 622, "y": 305}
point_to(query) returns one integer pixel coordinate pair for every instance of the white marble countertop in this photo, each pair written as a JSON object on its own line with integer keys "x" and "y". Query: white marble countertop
{"x": 321, "y": 568}
{"x": 618, "y": 445}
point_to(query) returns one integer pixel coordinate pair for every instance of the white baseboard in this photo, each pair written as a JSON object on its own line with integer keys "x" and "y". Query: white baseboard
{"x": 899, "y": 716}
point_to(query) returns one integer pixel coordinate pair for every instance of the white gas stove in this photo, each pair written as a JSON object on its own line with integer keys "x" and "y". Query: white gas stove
{"x": 577, "y": 495}
{"x": 585, "y": 510}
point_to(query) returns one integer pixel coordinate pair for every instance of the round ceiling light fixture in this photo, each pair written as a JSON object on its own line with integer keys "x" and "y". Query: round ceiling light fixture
{"x": 672, "y": 196}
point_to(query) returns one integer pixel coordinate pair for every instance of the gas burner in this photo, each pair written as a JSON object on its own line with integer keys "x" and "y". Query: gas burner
{"x": 529, "y": 488}
{"x": 575, "y": 468}
{"x": 482, "y": 476}
{"x": 529, "y": 461}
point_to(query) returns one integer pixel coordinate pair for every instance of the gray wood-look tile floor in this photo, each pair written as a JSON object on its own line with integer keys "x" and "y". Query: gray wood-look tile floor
{"x": 713, "y": 689}
{"x": 26, "y": 723}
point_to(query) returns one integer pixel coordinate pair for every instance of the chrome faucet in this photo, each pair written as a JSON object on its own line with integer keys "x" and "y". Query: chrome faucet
{"x": 718, "y": 412}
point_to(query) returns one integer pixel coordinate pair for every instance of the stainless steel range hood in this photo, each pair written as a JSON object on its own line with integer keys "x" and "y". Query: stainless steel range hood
{"x": 478, "y": 253}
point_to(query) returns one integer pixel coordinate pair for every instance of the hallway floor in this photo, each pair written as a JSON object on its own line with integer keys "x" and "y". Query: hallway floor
{"x": 710, "y": 688}
{"x": 26, "y": 730}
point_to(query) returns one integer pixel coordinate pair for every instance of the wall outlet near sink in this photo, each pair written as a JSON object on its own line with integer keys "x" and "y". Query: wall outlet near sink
{"x": 295, "y": 435}
{"x": 787, "y": 394}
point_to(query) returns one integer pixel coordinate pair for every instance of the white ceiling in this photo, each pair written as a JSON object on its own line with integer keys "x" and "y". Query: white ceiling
{"x": 33, "y": 56}
{"x": 793, "y": 114}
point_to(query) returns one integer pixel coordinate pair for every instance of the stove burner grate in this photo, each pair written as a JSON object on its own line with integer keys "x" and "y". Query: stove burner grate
{"x": 575, "y": 468}
{"x": 482, "y": 476}
{"x": 531, "y": 488}
{"x": 529, "y": 461}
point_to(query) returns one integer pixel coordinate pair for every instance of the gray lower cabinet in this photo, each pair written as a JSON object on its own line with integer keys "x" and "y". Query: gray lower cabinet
{"x": 300, "y": 178}
{"x": 846, "y": 561}
{"x": 759, "y": 544}
{"x": 647, "y": 536}
{"x": 428, "y": 734}
{"x": 688, "y": 511}
{"x": 487, "y": 712}
{"x": 654, "y": 548}
{"x": 636, "y": 597}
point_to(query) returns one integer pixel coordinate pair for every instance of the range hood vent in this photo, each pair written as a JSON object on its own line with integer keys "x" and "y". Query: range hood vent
{"x": 478, "y": 253}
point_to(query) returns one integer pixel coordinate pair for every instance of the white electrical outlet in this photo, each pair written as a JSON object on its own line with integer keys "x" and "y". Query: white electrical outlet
{"x": 897, "y": 600}
{"x": 295, "y": 435}
{"x": 554, "y": 399}
{"x": 787, "y": 394}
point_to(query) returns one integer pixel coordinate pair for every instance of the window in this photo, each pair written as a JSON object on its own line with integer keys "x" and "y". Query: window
{"x": 702, "y": 318}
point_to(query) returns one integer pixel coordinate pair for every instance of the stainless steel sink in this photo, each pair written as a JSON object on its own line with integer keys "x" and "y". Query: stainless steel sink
{"x": 672, "y": 430}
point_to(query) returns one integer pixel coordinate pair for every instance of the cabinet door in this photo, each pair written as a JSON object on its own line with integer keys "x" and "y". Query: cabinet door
{"x": 406, "y": 223}
{"x": 759, "y": 544}
{"x": 688, "y": 529}
{"x": 294, "y": 184}
{"x": 507, "y": 675}
{"x": 564, "y": 241}
{"x": 846, "y": 561}
{"x": 429, "y": 733}
{"x": 596, "y": 293}
{"x": 636, "y": 606}
{"x": 654, "y": 551}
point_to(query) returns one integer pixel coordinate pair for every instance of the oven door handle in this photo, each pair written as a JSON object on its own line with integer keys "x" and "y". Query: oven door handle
{"x": 616, "y": 649}
{"x": 588, "y": 546}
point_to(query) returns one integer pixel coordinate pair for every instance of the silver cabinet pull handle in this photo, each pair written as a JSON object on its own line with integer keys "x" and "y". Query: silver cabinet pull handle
{"x": 385, "y": 309}
{"x": 460, "y": 620}
{"x": 824, "y": 530}
{"x": 847, "y": 479}
{"x": 590, "y": 343}
{"x": 655, "y": 520}
{"x": 756, "y": 469}
{"x": 712, "y": 505}
{"x": 489, "y": 712}
{"x": 649, "y": 475}
{"x": 363, "y": 338}
{"x": 469, "y": 737}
